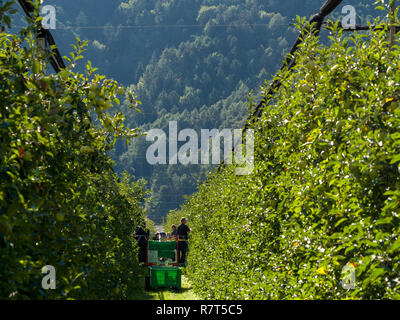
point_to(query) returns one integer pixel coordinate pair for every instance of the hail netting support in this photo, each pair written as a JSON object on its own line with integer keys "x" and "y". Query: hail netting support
{"x": 289, "y": 62}
{"x": 317, "y": 21}
{"x": 44, "y": 36}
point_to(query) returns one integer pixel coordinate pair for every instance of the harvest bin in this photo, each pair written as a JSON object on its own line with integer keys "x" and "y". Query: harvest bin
{"x": 165, "y": 277}
{"x": 161, "y": 252}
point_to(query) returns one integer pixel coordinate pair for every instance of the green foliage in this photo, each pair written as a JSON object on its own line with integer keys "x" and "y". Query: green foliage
{"x": 325, "y": 190}
{"x": 150, "y": 225}
{"x": 61, "y": 203}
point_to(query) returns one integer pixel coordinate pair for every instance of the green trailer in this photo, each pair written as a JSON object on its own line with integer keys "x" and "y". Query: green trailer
{"x": 162, "y": 259}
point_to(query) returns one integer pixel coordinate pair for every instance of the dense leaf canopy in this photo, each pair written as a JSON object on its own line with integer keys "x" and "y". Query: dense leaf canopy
{"x": 61, "y": 203}
{"x": 325, "y": 191}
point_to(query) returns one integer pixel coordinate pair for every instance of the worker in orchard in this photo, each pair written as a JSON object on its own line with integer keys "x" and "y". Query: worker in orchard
{"x": 141, "y": 237}
{"x": 174, "y": 232}
{"x": 183, "y": 234}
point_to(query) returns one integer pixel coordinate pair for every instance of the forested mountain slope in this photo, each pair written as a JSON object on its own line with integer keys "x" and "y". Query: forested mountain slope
{"x": 190, "y": 61}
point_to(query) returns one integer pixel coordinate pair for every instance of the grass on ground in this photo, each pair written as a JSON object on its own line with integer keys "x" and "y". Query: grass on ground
{"x": 185, "y": 293}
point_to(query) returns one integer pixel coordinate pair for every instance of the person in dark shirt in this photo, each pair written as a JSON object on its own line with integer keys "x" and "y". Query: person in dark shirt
{"x": 141, "y": 238}
{"x": 183, "y": 234}
{"x": 174, "y": 232}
